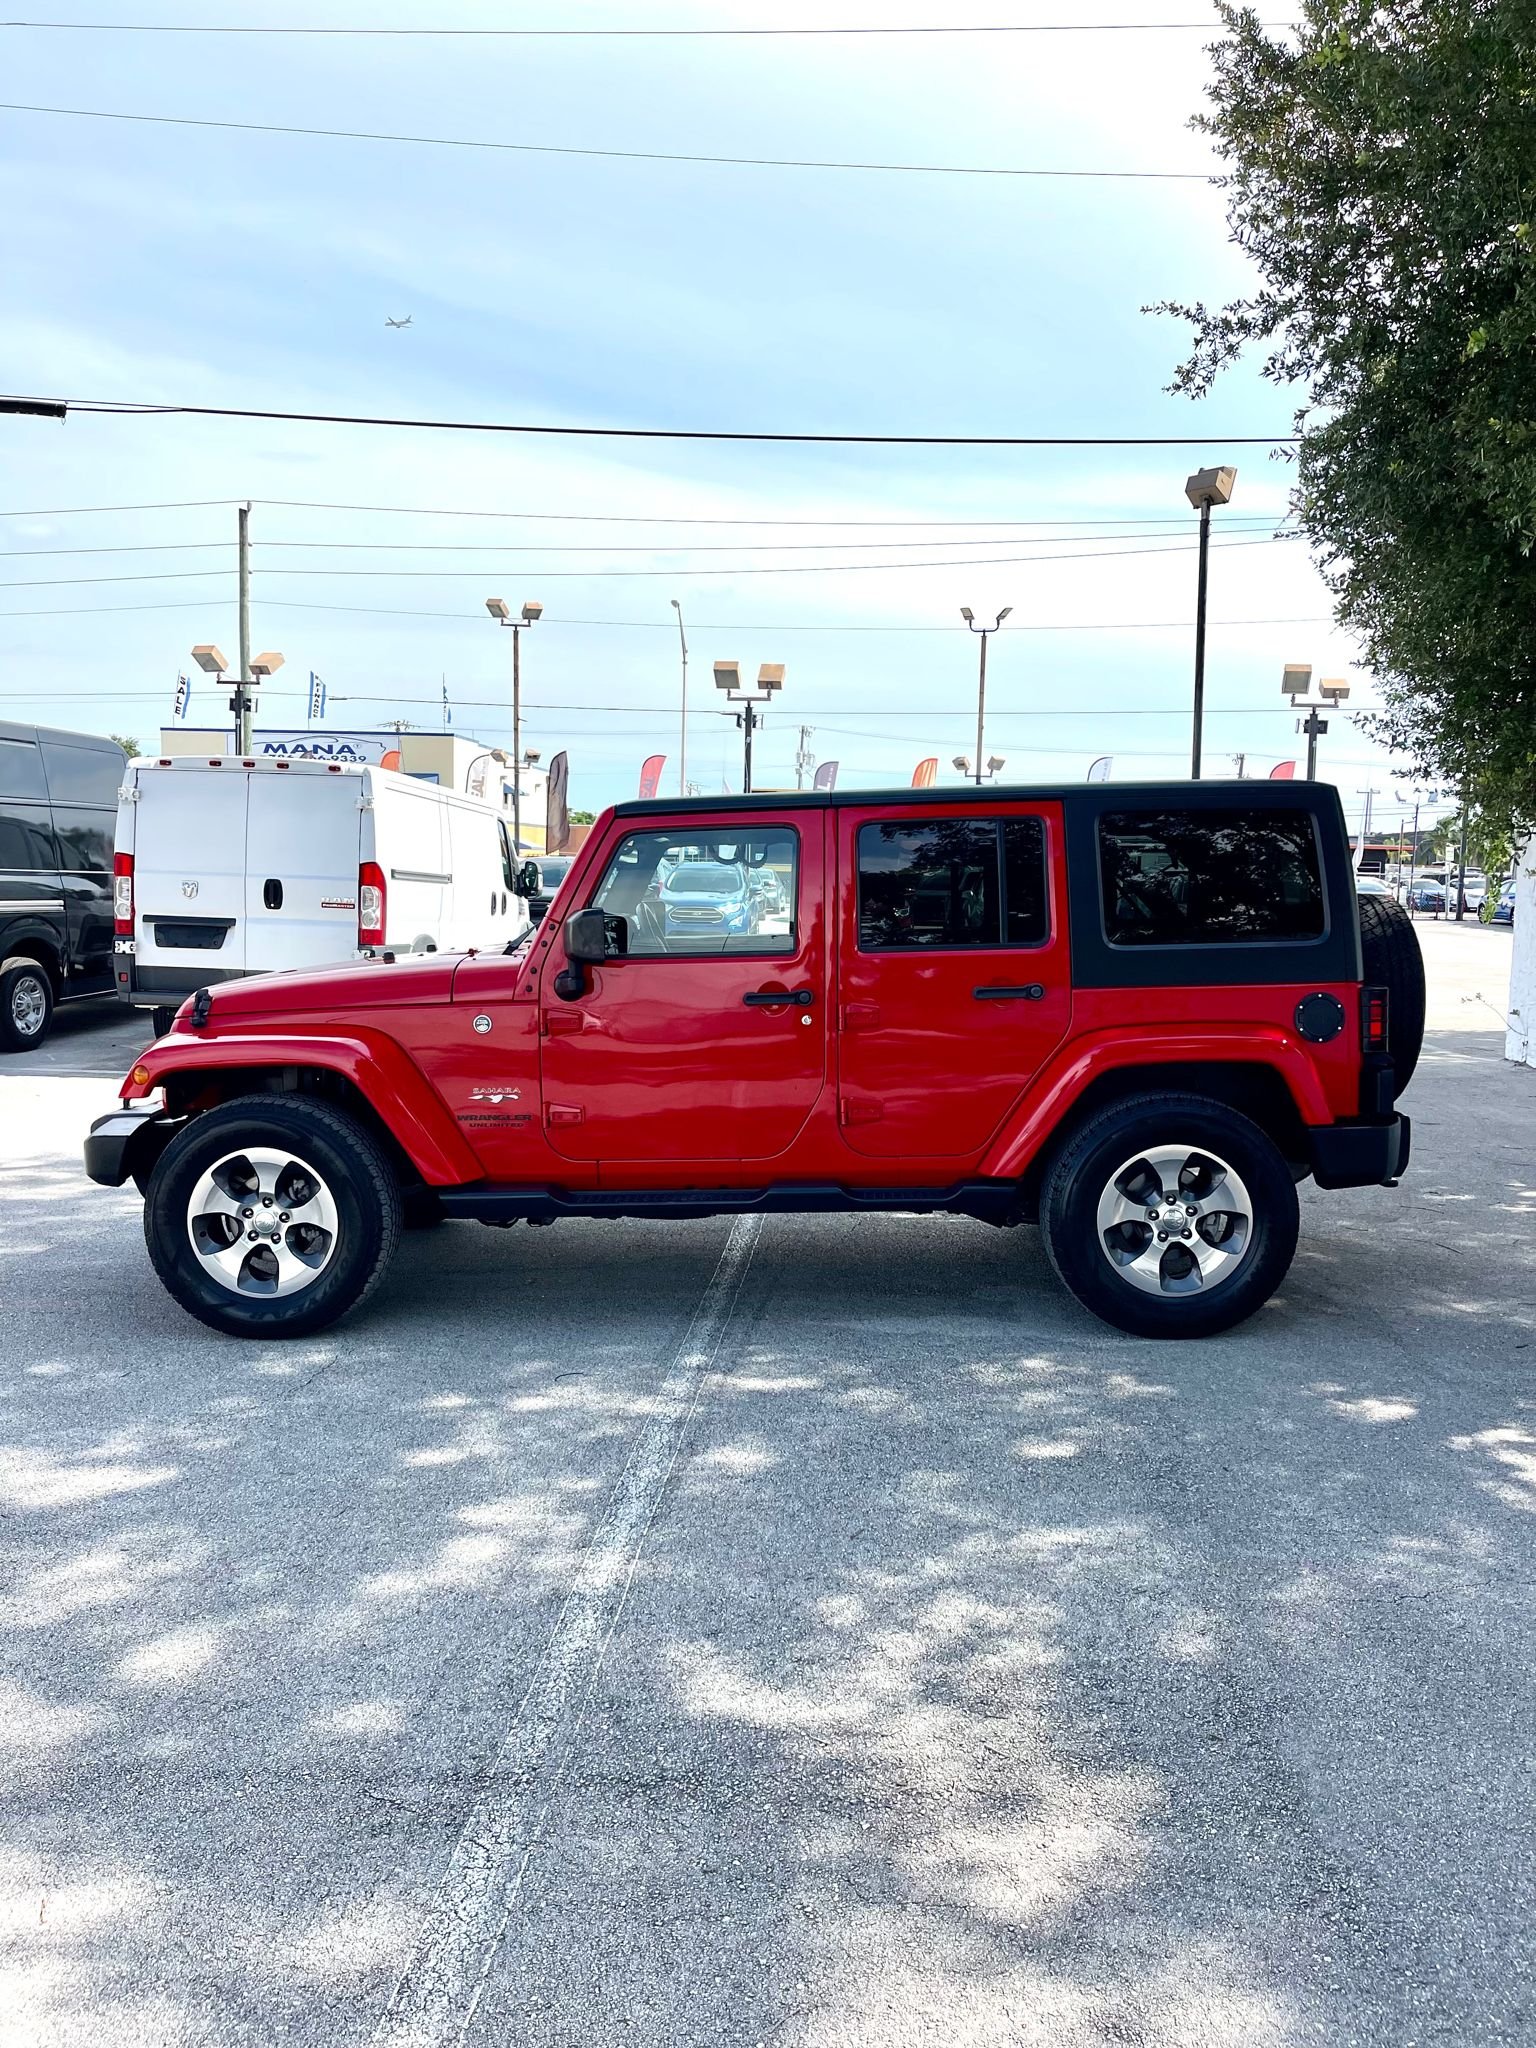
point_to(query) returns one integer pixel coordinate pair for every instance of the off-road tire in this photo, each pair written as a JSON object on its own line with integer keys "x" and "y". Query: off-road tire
{"x": 1082, "y": 1169}
{"x": 26, "y": 1006}
{"x": 360, "y": 1181}
{"x": 1389, "y": 948}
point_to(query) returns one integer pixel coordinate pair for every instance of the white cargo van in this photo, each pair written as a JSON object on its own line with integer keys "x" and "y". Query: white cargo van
{"x": 226, "y": 867}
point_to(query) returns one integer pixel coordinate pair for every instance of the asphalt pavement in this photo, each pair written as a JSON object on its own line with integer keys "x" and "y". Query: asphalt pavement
{"x": 810, "y": 1632}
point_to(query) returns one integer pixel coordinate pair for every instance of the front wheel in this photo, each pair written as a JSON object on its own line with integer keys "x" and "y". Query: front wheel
{"x": 1170, "y": 1216}
{"x": 271, "y": 1216}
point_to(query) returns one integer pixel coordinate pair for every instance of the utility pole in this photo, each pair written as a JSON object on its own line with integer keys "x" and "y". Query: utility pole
{"x": 243, "y": 682}
{"x": 1365, "y": 822}
{"x": 804, "y": 758}
{"x": 1461, "y": 864}
{"x": 1312, "y": 725}
{"x": 682, "y": 738}
{"x": 1240, "y": 762}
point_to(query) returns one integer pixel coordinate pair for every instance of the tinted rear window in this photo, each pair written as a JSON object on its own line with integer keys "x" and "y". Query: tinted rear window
{"x": 950, "y": 882}
{"x": 82, "y": 775}
{"x": 26, "y": 840}
{"x": 1209, "y": 877}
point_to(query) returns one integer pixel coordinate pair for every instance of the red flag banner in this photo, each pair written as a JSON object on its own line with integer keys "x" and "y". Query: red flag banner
{"x": 557, "y": 817}
{"x": 650, "y": 774}
{"x": 1284, "y": 772}
{"x": 926, "y": 773}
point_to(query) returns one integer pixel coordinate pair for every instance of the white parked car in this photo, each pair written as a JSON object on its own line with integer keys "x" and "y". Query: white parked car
{"x": 226, "y": 867}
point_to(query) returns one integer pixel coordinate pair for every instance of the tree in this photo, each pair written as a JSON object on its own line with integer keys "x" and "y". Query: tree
{"x": 583, "y": 817}
{"x": 1382, "y": 178}
{"x": 130, "y": 747}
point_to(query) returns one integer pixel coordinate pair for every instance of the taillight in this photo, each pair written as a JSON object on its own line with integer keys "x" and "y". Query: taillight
{"x": 370, "y": 904}
{"x": 1373, "y": 1019}
{"x": 122, "y": 895}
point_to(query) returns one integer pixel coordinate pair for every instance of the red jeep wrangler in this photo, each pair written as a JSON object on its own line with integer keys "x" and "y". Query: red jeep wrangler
{"x": 1137, "y": 1014}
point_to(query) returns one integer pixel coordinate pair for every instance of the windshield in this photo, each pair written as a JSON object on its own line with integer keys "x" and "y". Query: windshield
{"x": 704, "y": 878}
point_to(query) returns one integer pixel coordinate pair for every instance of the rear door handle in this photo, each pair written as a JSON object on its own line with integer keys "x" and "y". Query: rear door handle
{"x": 764, "y": 998}
{"x": 1024, "y": 992}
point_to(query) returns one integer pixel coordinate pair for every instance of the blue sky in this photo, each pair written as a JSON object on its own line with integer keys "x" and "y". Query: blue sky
{"x": 172, "y": 263}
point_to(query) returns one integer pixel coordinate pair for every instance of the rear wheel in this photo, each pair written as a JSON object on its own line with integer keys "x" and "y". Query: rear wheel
{"x": 1170, "y": 1216}
{"x": 26, "y": 1006}
{"x": 271, "y": 1216}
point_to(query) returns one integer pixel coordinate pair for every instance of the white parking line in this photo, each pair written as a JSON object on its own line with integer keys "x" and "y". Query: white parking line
{"x": 436, "y": 1998}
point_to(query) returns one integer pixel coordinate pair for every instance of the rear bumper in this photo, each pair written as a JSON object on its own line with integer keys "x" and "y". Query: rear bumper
{"x": 1359, "y": 1155}
{"x": 125, "y": 1140}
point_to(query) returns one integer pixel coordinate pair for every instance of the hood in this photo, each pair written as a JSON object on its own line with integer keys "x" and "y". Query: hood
{"x": 348, "y": 985}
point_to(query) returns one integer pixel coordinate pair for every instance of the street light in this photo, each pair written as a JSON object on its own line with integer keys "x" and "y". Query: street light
{"x": 490, "y": 754}
{"x": 1207, "y": 487}
{"x": 770, "y": 680}
{"x": 501, "y": 612}
{"x": 996, "y": 763}
{"x": 1296, "y": 683}
{"x": 981, "y": 682}
{"x": 242, "y": 702}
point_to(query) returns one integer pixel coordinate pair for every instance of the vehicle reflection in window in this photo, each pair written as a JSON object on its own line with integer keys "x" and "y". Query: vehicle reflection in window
{"x": 713, "y": 892}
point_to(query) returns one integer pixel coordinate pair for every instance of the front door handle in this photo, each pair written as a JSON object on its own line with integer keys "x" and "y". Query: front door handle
{"x": 562, "y": 1023}
{"x": 765, "y": 998}
{"x": 1023, "y": 992}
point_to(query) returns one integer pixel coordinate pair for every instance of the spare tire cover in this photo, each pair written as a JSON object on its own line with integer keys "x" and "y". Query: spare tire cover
{"x": 1389, "y": 948}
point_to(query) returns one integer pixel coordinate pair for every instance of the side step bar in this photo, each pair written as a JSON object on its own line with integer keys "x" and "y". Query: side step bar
{"x": 991, "y": 1201}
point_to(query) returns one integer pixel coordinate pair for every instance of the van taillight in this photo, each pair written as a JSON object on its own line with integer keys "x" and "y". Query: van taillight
{"x": 370, "y": 904}
{"x": 1373, "y": 1018}
{"x": 122, "y": 895}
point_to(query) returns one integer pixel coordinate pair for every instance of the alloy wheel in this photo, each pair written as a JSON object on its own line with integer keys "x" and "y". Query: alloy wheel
{"x": 263, "y": 1222}
{"x": 1175, "y": 1219}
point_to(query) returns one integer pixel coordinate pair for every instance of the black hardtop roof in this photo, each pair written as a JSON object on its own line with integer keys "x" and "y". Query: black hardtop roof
{"x": 1101, "y": 795}
{"x": 56, "y": 736}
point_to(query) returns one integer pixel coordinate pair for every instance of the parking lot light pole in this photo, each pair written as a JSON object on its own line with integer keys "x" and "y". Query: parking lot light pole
{"x": 985, "y": 633}
{"x": 682, "y": 737}
{"x": 502, "y": 613}
{"x": 1206, "y": 488}
{"x": 770, "y": 680}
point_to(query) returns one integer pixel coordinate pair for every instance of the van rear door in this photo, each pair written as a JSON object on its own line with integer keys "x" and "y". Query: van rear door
{"x": 188, "y": 876}
{"x": 302, "y": 846}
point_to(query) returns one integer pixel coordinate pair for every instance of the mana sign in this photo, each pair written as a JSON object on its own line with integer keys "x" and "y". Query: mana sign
{"x": 365, "y": 747}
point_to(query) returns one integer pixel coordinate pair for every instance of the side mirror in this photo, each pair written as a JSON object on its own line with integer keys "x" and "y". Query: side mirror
{"x": 529, "y": 881}
{"x": 591, "y": 937}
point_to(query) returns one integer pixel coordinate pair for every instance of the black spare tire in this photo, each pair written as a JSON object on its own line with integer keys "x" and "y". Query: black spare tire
{"x": 1389, "y": 948}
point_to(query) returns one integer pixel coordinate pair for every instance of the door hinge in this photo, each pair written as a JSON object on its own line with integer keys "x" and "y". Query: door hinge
{"x": 851, "y": 1111}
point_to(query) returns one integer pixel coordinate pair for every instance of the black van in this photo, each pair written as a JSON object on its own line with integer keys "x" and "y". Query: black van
{"x": 58, "y": 820}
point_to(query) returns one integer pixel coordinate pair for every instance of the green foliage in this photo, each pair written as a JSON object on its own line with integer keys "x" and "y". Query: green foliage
{"x": 129, "y": 746}
{"x": 583, "y": 817}
{"x": 1382, "y": 178}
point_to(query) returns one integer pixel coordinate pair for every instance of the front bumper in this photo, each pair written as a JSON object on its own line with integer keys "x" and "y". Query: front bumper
{"x": 128, "y": 1141}
{"x": 1360, "y": 1155}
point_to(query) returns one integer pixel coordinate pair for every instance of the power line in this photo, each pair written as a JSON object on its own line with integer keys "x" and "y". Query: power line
{"x": 468, "y": 618}
{"x": 143, "y": 408}
{"x": 648, "y": 156}
{"x": 159, "y": 547}
{"x": 776, "y": 569}
{"x": 521, "y": 548}
{"x": 1033, "y": 28}
{"x": 672, "y": 519}
{"x": 69, "y": 511}
{"x": 137, "y": 408}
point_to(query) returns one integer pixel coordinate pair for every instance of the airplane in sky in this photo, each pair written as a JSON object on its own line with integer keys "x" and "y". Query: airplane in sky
{"x": 398, "y": 323}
